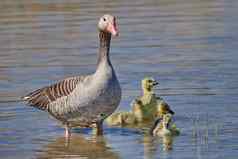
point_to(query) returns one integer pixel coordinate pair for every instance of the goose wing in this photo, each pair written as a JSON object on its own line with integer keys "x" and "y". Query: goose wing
{"x": 42, "y": 97}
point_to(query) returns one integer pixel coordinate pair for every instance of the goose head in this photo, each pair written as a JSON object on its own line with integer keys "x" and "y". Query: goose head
{"x": 148, "y": 83}
{"x": 107, "y": 23}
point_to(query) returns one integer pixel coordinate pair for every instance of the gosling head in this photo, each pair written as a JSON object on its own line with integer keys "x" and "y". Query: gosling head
{"x": 107, "y": 23}
{"x": 148, "y": 84}
{"x": 164, "y": 108}
{"x": 167, "y": 120}
{"x": 162, "y": 125}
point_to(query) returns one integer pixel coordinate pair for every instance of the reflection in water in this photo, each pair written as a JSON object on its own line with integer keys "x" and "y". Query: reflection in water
{"x": 167, "y": 142}
{"x": 152, "y": 145}
{"x": 79, "y": 146}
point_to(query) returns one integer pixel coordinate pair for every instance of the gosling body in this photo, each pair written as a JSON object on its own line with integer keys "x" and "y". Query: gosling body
{"x": 146, "y": 108}
{"x": 164, "y": 127}
{"x": 149, "y": 106}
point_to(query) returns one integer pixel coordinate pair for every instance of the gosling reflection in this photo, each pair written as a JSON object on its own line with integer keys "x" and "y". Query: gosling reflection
{"x": 154, "y": 144}
{"x": 167, "y": 142}
{"x": 150, "y": 146}
{"x": 78, "y": 147}
{"x": 160, "y": 137}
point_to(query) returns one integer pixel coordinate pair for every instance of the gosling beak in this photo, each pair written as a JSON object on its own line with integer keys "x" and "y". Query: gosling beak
{"x": 171, "y": 112}
{"x": 155, "y": 83}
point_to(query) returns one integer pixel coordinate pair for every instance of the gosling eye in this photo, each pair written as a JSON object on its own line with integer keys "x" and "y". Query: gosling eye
{"x": 150, "y": 81}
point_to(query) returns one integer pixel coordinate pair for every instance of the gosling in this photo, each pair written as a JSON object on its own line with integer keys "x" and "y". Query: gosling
{"x": 146, "y": 108}
{"x": 149, "y": 107}
{"x": 121, "y": 119}
{"x": 164, "y": 127}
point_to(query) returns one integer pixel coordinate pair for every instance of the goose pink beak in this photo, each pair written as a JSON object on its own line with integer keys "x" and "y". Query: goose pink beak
{"x": 112, "y": 28}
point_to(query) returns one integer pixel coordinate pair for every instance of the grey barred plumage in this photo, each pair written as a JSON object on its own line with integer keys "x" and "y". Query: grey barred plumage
{"x": 84, "y": 100}
{"x": 41, "y": 98}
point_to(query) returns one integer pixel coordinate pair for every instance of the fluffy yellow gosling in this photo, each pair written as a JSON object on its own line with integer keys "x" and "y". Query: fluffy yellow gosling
{"x": 149, "y": 107}
{"x": 164, "y": 127}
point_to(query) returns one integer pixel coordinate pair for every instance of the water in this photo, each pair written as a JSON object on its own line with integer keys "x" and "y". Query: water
{"x": 190, "y": 46}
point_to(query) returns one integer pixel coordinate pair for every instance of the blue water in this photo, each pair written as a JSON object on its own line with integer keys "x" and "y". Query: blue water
{"x": 189, "y": 46}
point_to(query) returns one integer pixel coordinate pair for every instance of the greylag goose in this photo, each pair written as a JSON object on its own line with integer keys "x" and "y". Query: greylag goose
{"x": 84, "y": 100}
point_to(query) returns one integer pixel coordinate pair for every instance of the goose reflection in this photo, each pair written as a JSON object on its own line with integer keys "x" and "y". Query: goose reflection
{"x": 78, "y": 147}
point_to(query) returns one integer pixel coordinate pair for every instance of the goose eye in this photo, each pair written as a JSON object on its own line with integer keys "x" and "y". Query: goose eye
{"x": 104, "y": 19}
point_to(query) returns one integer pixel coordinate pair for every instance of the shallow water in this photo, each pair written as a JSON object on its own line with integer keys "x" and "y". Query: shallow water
{"x": 190, "y": 46}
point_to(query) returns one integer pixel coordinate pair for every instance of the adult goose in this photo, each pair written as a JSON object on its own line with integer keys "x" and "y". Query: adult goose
{"x": 84, "y": 100}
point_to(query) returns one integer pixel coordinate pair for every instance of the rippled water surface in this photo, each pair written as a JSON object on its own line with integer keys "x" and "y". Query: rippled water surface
{"x": 190, "y": 46}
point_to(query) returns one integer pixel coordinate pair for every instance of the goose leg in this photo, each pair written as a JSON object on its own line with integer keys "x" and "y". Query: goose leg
{"x": 99, "y": 127}
{"x": 67, "y": 131}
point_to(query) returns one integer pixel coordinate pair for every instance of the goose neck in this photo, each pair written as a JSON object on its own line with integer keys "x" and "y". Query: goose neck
{"x": 104, "y": 47}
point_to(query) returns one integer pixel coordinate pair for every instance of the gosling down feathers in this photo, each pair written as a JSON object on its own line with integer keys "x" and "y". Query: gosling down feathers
{"x": 164, "y": 127}
{"x": 149, "y": 106}
{"x": 146, "y": 108}
{"x": 121, "y": 119}
{"x": 84, "y": 100}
